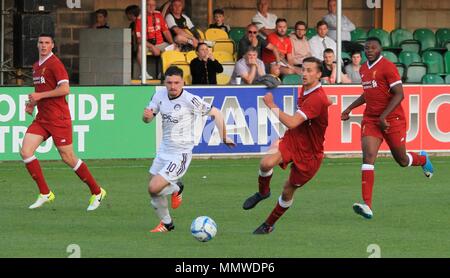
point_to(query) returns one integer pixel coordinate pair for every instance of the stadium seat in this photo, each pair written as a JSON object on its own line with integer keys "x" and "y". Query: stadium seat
{"x": 401, "y": 68}
{"x": 363, "y": 57}
{"x": 447, "y": 79}
{"x": 426, "y": 38}
{"x": 191, "y": 55}
{"x": 223, "y": 57}
{"x": 290, "y": 30}
{"x": 214, "y": 34}
{"x": 382, "y": 35}
{"x": 432, "y": 79}
{"x": 390, "y": 56}
{"x": 223, "y": 79}
{"x": 186, "y": 72}
{"x": 447, "y": 62}
{"x": 408, "y": 57}
{"x": 170, "y": 57}
{"x": 236, "y": 34}
{"x": 434, "y": 62}
{"x": 442, "y": 36}
{"x": 358, "y": 34}
{"x": 292, "y": 79}
{"x": 201, "y": 33}
{"x": 224, "y": 46}
{"x": 415, "y": 72}
{"x": 311, "y": 32}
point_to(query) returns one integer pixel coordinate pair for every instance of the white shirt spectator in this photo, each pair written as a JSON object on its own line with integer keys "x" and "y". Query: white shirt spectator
{"x": 261, "y": 21}
{"x": 347, "y": 27}
{"x": 241, "y": 68}
{"x": 318, "y": 45}
{"x": 170, "y": 20}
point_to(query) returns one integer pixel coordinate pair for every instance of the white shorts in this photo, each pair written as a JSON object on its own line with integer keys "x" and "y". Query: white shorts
{"x": 171, "y": 167}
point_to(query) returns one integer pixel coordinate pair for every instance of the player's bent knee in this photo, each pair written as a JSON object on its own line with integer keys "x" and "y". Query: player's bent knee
{"x": 26, "y": 153}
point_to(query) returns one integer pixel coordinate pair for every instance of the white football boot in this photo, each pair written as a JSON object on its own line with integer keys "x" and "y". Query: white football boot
{"x": 42, "y": 199}
{"x": 363, "y": 210}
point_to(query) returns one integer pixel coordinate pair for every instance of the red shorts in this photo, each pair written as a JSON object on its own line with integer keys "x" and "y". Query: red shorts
{"x": 302, "y": 170}
{"x": 62, "y": 136}
{"x": 395, "y": 135}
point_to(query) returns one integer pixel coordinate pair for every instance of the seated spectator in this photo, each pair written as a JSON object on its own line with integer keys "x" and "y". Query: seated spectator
{"x": 352, "y": 69}
{"x": 329, "y": 68}
{"x": 133, "y": 12}
{"x": 251, "y": 39}
{"x": 101, "y": 19}
{"x": 264, "y": 20}
{"x": 300, "y": 45}
{"x": 249, "y": 68}
{"x": 321, "y": 41}
{"x": 157, "y": 31}
{"x": 284, "y": 46}
{"x": 204, "y": 68}
{"x": 347, "y": 27}
{"x": 182, "y": 28}
{"x": 219, "y": 21}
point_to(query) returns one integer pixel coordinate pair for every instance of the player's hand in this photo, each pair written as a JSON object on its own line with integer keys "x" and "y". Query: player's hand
{"x": 34, "y": 97}
{"x": 268, "y": 100}
{"x": 229, "y": 142}
{"x": 345, "y": 116}
{"x": 29, "y": 108}
{"x": 148, "y": 114}
{"x": 384, "y": 124}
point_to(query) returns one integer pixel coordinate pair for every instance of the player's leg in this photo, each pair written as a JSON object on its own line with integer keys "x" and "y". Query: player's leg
{"x": 268, "y": 162}
{"x": 158, "y": 189}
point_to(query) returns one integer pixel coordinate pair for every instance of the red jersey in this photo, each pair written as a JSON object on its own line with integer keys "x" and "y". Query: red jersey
{"x": 284, "y": 46}
{"x": 377, "y": 80}
{"x": 156, "y": 25}
{"x": 46, "y": 77}
{"x": 306, "y": 140}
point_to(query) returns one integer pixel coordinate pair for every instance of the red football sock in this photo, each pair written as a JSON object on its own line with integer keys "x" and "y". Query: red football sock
{"x": 276, "y": 213}
{"x": 417, "y": 160}
{"x": 264, "y": 183}
{"x": 85, "y": 175}
{"x": 34, "y": 168}
{"x": 368, "y": 177}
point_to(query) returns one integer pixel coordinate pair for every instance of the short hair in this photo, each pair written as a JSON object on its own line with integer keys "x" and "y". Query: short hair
{"x": 218, "y": 11}
{"x": 320, "y": 23}
{"x": 200, "y": 44}
{"x": 281, "y": 20}
{"x": 301, "y": 23}
{"x": 133, "y": 9}
{"x": 174, "y": 70}
{"x": 102, "y": 11}
{"x": 316, "y": 61}
{"x": 354, "y": 52}
{"x": 48, "y": 35}
{"x": 374, "y": 39}
{"x": 328, "y": 50}
{"x": 251, "y": 49}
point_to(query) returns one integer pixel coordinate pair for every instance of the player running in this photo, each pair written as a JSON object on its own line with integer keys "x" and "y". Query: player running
{"x": 178, "y": 109}
{"x": 51, "y": 84}
{"x": 301, "y": 145}
{"x": 383, "y": 119}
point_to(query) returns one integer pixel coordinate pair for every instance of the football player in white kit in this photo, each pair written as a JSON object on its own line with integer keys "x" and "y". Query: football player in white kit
{"x": 178, "y": 109}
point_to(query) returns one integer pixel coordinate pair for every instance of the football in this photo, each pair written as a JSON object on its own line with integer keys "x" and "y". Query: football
{"x": 203, "y": 228}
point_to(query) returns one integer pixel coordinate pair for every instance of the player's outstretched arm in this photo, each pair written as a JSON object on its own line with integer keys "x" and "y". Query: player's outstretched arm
{"x": 358, "y": 102}
{"x": 220, "y": 123}
{"x": 62, "y": 90}
{"x": 148, "y": 115}
{"x": 288, "y": 120}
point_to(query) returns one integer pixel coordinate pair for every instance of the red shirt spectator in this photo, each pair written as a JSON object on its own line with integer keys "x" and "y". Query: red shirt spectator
{"x": 156, "y": 25}
{"x": 283, "y": 44}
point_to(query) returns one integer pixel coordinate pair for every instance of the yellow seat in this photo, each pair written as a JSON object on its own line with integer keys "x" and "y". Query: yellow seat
{"x": 191, "y": 55}
{"x": 224, "y": 45}
{"x": 223, "y": 57}
{"x": 202, "y": 34}
{"x": 170, "y": 57}
{"x": 223, "y": 79}
{"x": 184, "y": 66}
{"x": 214, "y": 34}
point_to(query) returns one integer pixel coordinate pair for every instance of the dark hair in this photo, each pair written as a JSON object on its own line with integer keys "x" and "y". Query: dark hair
{"x": 174, "y": 70}
{"x": 328, "y": 50}
{"x": 102, "y": 11}
{"x": 281, "y": 20}
{"x": 218, "y": 11}
{"x": 251, "y": 49}
{"x": 320, "y": 23}
{"x": 374, "y": 39}
{"x": 316, "y": 61}
{"x": 48, "y": 35}
{"x": 133, "y": 9}
{"x": 200, "y": 44}
{"x": 301, "y": 23}
{"x": 354, "y": 52}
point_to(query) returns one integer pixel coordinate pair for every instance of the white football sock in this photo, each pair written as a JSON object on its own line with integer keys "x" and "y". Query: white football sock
{"x": 162, "y": 208}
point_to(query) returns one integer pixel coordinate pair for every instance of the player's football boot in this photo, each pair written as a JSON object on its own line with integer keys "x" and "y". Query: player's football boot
{"x": 177, "y": 197}
{"x": 263, "y": 229}
{"x": 96, "y": 200}
{"x": 42, "y": 199}
{"x": 428, "y": 167}
{"x": 363, "y": 210}
{"x": 253, "y": 200}
{"x": 163, "y": 228}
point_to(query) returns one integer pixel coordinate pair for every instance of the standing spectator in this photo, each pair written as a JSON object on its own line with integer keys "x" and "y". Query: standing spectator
{"x": 321, "y": 41}
{"x": 251, "y": 39}
{"x": 132, "y": 12}
{"x": 352, "y": 69}
{"x": 329, "y": 72}
{"x": 204, "y": 68}
{"x": 347, "y": 27}
{"x": 157, "y": 30}
{"x": 264, "y": 20}
{"x": 101, "y": 19}
{"x": 182, "y": 28}
{"x": 300, "y": 45}
{"x": 249, "y": 68}
{"x": 219, "y": 21}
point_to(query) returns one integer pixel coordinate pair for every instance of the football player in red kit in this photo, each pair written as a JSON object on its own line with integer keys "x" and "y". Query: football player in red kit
{"x": 383, "y": 119}
{"x": 301, "y": 145}
{"x": 51, "y": 84}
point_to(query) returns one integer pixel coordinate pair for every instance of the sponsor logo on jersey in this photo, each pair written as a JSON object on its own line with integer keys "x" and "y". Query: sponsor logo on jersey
{"x": 169, "y": 118}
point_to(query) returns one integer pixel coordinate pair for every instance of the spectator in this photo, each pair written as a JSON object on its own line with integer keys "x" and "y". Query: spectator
{"x": 249, "y": 68}
{"x": 182, "y": 28}
{"x": 352, "y": 69}
{"x": 157, "y": 31}
{"x": 251, "y": 39}
{"x": 347, "y": 27}
{"x": 204, "y": 68}
{"x": 264, "y": 20}
{"x": 321, "y": 41}
{"x": 284, "y": 46}
{"x": 300, "y": 45}
{"x": 101, "y": 19}
{"x": 219, "y": 21}
{"x": 132, "y": 12}
{"x": 329, "y": 68}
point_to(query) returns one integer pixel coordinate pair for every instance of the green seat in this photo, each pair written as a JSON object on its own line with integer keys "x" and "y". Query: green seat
{"x": 442, "y": 36}
{"x": 382, "y": 35}
{"x": 434, "y": 61}
{"x": 290, "y": 30}
{"x": 358, "y": 34}
{"x": 408, "y": 57}
{"x": 390, "y": 56}
{"x": 415, "y": 73}
{"x": 311, "y": 32}
{"x": 363, "y": 57}
{"x": 236, "y": 34}
{"x": 292, "y": 79}
{"x": 432, "y": 79}
{"x": 401, "y": 70}
{"x": 447, "y": 62}
{"x": 426, "y": 38}
{"x": 400, "y": 35}
{"x": 447, "y": 79}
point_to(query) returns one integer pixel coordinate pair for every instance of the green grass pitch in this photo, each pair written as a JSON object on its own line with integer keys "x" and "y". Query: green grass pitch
{"x": 411, "y": 216}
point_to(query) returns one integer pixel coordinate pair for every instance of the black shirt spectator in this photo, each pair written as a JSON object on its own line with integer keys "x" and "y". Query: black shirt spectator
{"x": 204, "y": 68}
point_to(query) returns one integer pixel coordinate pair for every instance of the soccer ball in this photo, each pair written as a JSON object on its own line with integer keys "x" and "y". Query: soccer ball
{"x": 203, "y": 228}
